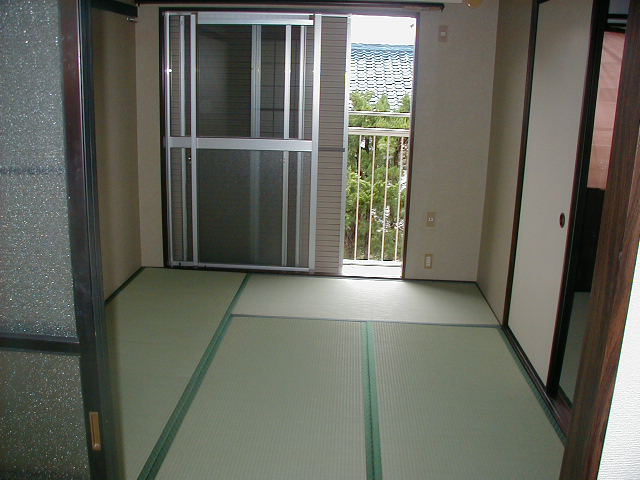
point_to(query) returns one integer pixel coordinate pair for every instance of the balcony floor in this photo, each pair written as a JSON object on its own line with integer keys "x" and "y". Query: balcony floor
{"x": 222, "y": 375}
{"x": 372, "y": 269}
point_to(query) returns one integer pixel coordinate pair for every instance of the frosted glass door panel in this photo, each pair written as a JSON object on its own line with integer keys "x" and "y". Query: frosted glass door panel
{"x": 36, "y": 292}
{"x": 42, "y": 431}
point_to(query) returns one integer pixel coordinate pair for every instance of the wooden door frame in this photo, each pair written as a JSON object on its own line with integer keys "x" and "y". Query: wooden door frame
{"x": 613, "y": 276}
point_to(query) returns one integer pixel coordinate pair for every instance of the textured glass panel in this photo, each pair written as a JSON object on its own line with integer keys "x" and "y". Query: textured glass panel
{"x": 224, "y": 80}
{"x": 308, "y": 84}
{"x": 42, "y": 431}
{"x": 272, "y": 81}
{"x": 180, "y": 75}
{"x": 35, "y": 269}
{"x": 298, "y": 209}
{"x": 225, "y": 74}
{"x": 181, "y": 203}
{"x": 240, "y": 206}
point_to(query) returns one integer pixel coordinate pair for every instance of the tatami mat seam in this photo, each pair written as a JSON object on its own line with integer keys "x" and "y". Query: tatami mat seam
{"x": 124, "y": 285}
{"x": 159, "y": 452}
{"x": 377, "y": 279}
{"x": 372, "y": 413}
{"x": 358, "y": 320}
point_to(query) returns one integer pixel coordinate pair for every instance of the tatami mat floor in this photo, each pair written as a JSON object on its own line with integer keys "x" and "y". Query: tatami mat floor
{"x": 222, "y": 375}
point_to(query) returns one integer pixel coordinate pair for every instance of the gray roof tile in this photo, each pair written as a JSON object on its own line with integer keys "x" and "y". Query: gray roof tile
{"x": 382, "y": 69}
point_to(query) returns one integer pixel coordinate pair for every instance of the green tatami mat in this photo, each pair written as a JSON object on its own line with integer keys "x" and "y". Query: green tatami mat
{"x": 350, "y": 299}
{"x": 282, "y": 400}
{"x": 453, "y": 405}
{"x": 158, "y": 328}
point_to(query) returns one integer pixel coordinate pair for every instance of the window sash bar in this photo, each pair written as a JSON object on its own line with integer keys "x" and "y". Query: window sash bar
{"x": 183, "y": 132}
{"x": 194, "y": 145}
{"x": 285, "y": 155}
{"x": 301, "y": 81}
{"x": 167, "y": 121}
{"x": 243, "y": 18}
{"x": 222, "y": 143}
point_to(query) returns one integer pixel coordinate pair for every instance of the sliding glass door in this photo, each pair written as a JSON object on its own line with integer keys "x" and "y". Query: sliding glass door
{"x": 241, "y": 123}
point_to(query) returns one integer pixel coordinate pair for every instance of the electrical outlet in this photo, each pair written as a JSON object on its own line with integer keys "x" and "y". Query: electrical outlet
{"x": 428, "y": 260}
{"x": 431, "y": 219}
{"x": 443, "y": 33}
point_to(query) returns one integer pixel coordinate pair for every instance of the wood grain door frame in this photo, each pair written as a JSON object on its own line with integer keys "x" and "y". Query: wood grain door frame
{"x": 613, "y": 276}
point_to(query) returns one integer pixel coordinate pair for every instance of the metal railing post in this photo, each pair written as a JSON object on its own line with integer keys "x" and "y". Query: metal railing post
{"x": 355, "y": 238}
{"x": 395, "y": 253}
{"x": 373, "y": 178}
{"x": 384, "y": 204}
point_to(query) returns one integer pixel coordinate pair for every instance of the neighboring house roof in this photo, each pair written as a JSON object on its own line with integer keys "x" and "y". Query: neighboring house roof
{"x": 382, "y": 69}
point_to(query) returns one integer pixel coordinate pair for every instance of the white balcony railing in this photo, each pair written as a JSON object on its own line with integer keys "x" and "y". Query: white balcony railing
{"x": 377, "y": 190}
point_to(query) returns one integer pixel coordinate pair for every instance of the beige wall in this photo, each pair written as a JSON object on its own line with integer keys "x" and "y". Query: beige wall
{"x": 451, "y": 140}
{"x": 149, "y": 156}
{"x": 512, "y": 45}
{"x": 115, "y": 103}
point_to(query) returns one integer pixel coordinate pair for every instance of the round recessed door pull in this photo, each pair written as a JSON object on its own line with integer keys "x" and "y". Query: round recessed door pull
{"x": 562, "y": 220}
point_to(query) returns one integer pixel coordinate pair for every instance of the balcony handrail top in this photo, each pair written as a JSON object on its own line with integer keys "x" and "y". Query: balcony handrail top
{"x": 379, "y": 132}
{"x": 368, "y": 113}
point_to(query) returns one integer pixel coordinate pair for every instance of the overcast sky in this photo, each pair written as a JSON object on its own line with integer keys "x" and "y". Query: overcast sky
{"x": 386, "y": 30}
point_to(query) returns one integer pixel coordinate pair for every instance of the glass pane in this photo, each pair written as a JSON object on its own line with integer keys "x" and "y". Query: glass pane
{"x": 224, "y": 93}
{"x": 181, "y": 204}
{"x": 298, "y": 209}
{"x": 240, "y": 206}
{"x": 308, "y": 84}
{"x": 36, "y": 295}
{"x": 301, "y": 39}
{"x": 41, "y": 417}
{"x": 272, "y": 82}
{"x": 180, "y": 75}
{"x": 224, "y": 80}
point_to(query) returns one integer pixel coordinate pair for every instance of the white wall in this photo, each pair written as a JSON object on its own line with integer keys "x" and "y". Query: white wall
{"x": 451, "y": 140}
{"x": 512, "y": 48}
{"x": 621, "y": 452}
{"x": 116, "y": 148}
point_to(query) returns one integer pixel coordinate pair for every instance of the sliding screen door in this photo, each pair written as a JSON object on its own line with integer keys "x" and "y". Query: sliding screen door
{"x": 559, "y": 71}
{"x": 241, "y": 122}
{"x": 54, "y": 400}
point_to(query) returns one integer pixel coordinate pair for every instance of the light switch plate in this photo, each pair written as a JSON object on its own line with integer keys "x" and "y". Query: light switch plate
{"x": 431, "y": 219}
{"x": 443, "y": 33}
{"x": 428, "y": 260}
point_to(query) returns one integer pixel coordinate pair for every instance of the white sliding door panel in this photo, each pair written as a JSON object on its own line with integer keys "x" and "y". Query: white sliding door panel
{"x": 556, "y": 103}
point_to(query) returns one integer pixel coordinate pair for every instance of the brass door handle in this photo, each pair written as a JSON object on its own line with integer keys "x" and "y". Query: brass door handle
{"x": 96, "y": 438}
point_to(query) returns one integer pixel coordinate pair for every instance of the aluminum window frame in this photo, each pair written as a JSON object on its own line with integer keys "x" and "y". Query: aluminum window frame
{"x": 255, "y": 143}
